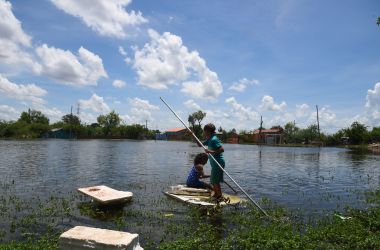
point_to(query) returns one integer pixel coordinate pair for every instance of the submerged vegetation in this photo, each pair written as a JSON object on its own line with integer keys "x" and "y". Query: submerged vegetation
{"x": 36, "y": 223}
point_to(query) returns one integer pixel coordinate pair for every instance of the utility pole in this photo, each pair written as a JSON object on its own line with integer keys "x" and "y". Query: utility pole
{"x": 261, "y": 127}
{"x": 146, "y": 124}
{"x": 71, "y": 120}
{"x": 78, "y": 109}
{"x": 319, "y": 132}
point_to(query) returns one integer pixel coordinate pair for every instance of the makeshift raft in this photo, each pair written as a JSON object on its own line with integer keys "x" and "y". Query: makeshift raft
{"x": 199, "y": 196}
{"x": 105, "y": 195}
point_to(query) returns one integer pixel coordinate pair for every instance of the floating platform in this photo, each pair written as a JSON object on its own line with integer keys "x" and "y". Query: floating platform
{"x": 106, "y": 195}
{"x": 198, "y": 196}
{"x": 81, "y": 237}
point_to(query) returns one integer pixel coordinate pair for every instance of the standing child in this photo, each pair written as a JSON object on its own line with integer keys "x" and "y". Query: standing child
{"x": 216, "y": 149}
{"x": 196, "y": 173}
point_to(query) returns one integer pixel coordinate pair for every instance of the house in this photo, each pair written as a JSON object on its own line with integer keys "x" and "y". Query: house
{"x": 176, "y": 134}
{"x": 268, "y": 136}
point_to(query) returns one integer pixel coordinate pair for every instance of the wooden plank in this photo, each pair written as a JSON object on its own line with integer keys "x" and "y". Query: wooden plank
{"x": 106, "y": 195}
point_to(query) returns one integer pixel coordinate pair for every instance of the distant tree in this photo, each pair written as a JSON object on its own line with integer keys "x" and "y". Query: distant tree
{"x": 378, "y": 21}
{"x": 290, "y": 132}
{"x": 335, "y": 139}
{"x": 199, "y": 116}
{"x": 357, "y": 133}
{"x": 109, "y": 121}
{"x": 133, "y": 131}
{"x": 3, "y": 128}
{"x": 195, "y": 120}
{"x": 191, "y": 121}
{"x": 33, "y": 116}
{"x": 375, "y": 134}
{"x": 71, "y": 119}
{"x": 310, "y": 133}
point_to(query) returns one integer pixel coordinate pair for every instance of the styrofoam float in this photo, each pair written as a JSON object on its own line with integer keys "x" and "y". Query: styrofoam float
{"x": 106, "y": 195}
{"x": 199, "y": 196}
{"x": 81, "y": 237}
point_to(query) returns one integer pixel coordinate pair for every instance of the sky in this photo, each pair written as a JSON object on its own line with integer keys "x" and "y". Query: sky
{"x": 237, "y": 61}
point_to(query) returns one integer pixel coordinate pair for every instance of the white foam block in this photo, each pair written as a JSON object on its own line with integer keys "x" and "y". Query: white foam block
{"x": 106, "y": 195}
{"x": 184, "y": 190}
{"x": 81, "y": 237}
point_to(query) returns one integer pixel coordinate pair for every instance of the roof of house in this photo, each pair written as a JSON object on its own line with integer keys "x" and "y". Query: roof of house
{"x": 268, "y": 131}
{"x": 173, "y": 130}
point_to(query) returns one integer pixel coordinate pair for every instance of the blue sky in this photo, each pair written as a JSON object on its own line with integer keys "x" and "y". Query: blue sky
{"x": 236, "y": 61}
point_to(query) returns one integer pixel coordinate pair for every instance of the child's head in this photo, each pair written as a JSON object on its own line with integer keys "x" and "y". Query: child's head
{"x": 209, "y": 129}
{"x": 201, "y": 158}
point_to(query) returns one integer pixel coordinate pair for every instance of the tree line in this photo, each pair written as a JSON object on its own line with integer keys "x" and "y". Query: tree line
{"x": 34, "y": 124}
{"x": 355, "y": 134}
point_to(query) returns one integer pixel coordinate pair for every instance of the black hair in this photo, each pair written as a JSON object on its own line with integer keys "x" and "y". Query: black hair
{"x": 201, "y": 158}
{"x": 209, "y": 128}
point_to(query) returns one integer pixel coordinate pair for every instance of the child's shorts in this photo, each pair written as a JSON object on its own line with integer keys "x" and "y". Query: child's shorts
{"x": 216, "y": 173}
{"x": 197, "y": 184}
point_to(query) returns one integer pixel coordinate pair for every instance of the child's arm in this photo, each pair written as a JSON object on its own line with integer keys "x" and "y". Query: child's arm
{"x": 216, "y": 151}
{"x": 199, "y": 168}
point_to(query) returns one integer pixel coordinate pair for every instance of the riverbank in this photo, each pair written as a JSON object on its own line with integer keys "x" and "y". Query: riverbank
{"x": 243, "y": 228}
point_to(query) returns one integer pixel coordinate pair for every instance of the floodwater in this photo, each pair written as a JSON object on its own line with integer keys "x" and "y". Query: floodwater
{"x": 309, "y": 179}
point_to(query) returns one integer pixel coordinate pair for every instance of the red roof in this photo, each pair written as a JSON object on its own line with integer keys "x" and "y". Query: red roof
{"x": 268, "y": 131}
{"x": 173, "y": 130}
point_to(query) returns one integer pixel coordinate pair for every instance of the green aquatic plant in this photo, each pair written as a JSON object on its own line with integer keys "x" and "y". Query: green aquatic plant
{"x": 29, "y": 222}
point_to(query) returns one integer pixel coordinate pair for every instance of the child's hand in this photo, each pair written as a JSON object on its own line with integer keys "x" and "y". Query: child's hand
{"x": 209, "y": 151}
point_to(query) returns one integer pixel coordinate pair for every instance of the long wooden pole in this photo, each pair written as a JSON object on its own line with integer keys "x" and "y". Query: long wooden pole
{"x": 200, "y": 143}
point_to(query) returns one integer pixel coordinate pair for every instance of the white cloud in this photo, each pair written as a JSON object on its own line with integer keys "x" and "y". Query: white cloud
{"x": 241, "y": 112}
{"x": 14, "y": 42}
{"x": 119, "y": 84}
{"x": 28, "y": 92}
{"x": 63, "y": 66}
{"x": 122, "y": 51}
{"x": 141, "y": 111}
{"x": 128, "y": 60}
{"x": 192, "y": 105}
{"x": 87, "y": 118}
{"x": 53, "y": 114}
{"x": 107, "y": 17}
{"x": 142, "y": 104}
{"x": 243, "y": 84}
{"x": 268, "y": 104}
{"x": 326, "y": 117}
{"x": 95, "y": 103}
{"x": 165, "y": 61}
{"x": 8, "y": 113}
{"x": 281, "y": 120}
{"x": 373, "y": 102}
{"x": 302, "y": 110}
